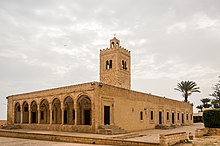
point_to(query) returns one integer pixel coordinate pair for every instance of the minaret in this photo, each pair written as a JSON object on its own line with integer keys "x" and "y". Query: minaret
{"x": 115, "y": 66}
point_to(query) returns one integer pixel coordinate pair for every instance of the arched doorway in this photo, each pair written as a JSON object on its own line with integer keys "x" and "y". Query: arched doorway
{"x": 69, "y": 112}
{"x": 84, "y": 110}
{"x": 25, "y": 112}
{"x": 56, "y": 111}
{"x": 17, "y": 113}
{"x": 44, "y": 112}
{"x": 34, "y": 112}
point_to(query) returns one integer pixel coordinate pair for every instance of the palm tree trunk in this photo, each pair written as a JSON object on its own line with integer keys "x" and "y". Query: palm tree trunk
{"x": 186, "y": 97}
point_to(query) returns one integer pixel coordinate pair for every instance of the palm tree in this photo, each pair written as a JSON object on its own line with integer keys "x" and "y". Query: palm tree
{"x": 187, "y": 88}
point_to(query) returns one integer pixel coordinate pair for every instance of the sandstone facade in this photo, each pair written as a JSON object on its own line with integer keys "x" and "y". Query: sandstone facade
{"x": 87, "y": 107}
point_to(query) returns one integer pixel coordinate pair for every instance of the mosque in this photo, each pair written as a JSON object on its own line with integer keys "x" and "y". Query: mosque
{"x": 108, "y": 106}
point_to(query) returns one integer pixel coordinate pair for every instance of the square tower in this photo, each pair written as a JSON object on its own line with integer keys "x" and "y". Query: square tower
{"x": 115, "y": 66}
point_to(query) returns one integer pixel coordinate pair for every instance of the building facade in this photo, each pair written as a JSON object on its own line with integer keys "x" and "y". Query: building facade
{"x": 98, "y": 106}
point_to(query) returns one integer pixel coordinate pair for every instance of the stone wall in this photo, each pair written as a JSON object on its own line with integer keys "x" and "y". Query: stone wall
{"x": 171, "y": 139}
{"x": 73, "y": 139}
{"x": 207, "y": 132}
{"x": 128, "y": 105}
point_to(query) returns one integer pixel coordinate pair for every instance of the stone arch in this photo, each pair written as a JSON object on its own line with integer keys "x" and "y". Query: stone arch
{"x": 17, "y": 113}
{"x": 44, "y": 112}
{"x": 34, "y": 113}
{"x": 56, "y": 111}
{"x": 84, "y": 112}
{"x": 69, "y": 112}
{"x": 25, "y": 112}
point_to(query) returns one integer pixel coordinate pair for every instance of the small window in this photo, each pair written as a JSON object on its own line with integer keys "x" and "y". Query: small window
{"x": 110, "y": 64}
{"x": 191, "y": 116}
{"x": 122, "y": 64}
{"x": 167, "y": 115}
{"x": 187, "y": 116}
{"x": 151, "y": 115}
{"x": 113, "y": 44}
{"x": 42, "y": 115}
{"x": 107, "y": 64}
{"x": 178, "y": 116}
{"x": 141, "y": 115}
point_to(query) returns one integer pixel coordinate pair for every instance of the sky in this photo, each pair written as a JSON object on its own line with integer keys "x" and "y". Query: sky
{"x": 52, "y": 43}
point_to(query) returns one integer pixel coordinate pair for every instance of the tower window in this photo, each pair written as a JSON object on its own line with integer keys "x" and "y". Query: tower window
{"x": 123, "y": 65}
{"x": 113, "y": 44}
{"x": 108, "y": 64}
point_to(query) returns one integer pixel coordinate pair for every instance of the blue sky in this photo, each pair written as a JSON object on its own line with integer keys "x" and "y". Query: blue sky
{"x": 51, "y": 43}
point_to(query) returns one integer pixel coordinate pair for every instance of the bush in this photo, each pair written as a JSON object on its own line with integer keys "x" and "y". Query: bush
{"x": 211, "y": 118}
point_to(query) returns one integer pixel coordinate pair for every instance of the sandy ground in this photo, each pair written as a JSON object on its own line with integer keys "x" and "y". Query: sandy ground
{"x": 5, "y": 141}
{"x": 144, "y": 136}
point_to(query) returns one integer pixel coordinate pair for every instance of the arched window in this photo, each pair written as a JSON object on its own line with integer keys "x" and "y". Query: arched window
{"x": 107, "y": 64}
{"x": 69, "y": 112}
{"x": 17, "y": 113}
{"x": 44, "y": 112}
{"x": 84, "y": 113}
{"x": 113, "y": 44}
{"x": 125, "y": 66}
{"x": 25, "y": 112}
{"x": 122, "y": 64}
{"x": 34, "y": 112}
{"x": 110, "y": 64}
{"x": 56, "y": 111}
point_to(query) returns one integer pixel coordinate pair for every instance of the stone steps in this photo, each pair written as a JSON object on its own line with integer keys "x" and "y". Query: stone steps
{"x": 110, "y": 129}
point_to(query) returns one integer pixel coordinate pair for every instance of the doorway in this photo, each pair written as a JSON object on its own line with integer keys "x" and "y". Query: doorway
{"x": 34, "y": 119}
{"x": 106, "y": 115}
{"x": 87, "y": 117}
{"x": 160, "y": 117}
{"x": 65, "y": 117}
{"x": 173, "y": 118}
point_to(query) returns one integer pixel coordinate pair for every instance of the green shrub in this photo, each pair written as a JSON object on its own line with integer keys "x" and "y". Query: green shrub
{"x": 211, "y": 118}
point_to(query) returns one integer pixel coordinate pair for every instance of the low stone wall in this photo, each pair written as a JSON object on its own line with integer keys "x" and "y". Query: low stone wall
{"x": 173, "y": 138}
{"x": 74, "y": 139}
{"x": 59, "y": 127}
{"x": 207, "y": 132}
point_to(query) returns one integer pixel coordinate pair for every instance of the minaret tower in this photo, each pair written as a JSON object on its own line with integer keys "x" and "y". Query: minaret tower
{"x": 115, "y": 65}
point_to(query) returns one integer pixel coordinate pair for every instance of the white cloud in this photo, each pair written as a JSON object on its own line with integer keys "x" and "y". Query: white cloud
{"x": 179, "y": 27}
{"x": 202, "y": 21}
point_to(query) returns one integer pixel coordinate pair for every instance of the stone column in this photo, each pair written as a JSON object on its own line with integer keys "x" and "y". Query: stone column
{"x": 21, "y": 109}
{"x": 29, "y": 114}
{"x": 75, "y": 108}
{"x": 164, "y": 117}
{"x": 51, "y": 113}
{"x": 62, "y": 114}
{"x": 38, "y": 113}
